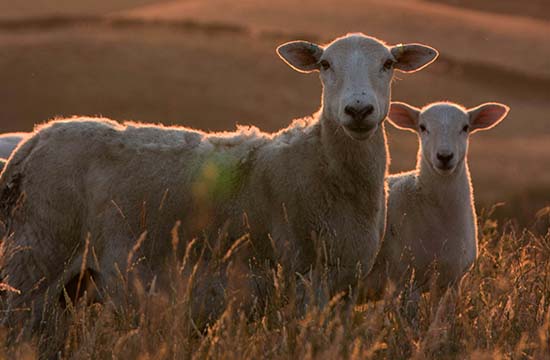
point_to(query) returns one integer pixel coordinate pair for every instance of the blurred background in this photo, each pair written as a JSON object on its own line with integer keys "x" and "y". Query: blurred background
{"x": 211, "y": 64}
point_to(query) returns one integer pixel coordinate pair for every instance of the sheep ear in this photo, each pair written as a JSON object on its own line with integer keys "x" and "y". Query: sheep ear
{"x": 302, "y": 56}
{"x": 486, "y": 116}
{"x": 413, "y": 57}
{"x": 404, "y": 116}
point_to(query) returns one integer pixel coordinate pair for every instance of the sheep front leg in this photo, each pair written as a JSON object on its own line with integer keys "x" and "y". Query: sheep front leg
{"x": 350, "y": 259}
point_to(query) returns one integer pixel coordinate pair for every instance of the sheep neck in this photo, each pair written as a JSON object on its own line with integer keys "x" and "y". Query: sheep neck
{"x": 353, "y": 165}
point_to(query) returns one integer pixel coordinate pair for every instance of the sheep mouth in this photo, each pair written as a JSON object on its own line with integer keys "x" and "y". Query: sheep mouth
{"x": 361, "y": 132}
{"x": 444, "y": 169}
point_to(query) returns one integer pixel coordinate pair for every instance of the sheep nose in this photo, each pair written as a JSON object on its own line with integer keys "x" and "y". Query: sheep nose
{"x": 445, "y": 157}
{"x": 358, "y": 113}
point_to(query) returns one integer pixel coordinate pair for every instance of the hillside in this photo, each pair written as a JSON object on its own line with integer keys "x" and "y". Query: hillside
{"x": 169, "y": 61}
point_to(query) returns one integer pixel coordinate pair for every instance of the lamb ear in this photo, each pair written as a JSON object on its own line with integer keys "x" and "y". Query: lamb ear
{"x": 302, "y": 56}
{"x": 413, "y": 57}
{"x": 486, "y": 116}
{"x": 404, "y": 116}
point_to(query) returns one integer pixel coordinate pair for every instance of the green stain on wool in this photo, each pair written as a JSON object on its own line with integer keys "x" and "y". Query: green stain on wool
{"x": 217, "y": 178}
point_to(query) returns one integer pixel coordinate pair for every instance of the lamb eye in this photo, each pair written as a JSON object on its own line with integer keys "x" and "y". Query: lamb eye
{"x": 388, "y": 64}
{"x": 465, "y": 128}
{"x": 325, "y": 65}
{"x": 422, "y": 128}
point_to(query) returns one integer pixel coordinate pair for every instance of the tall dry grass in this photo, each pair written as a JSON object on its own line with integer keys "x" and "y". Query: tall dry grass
{"x": 501, "y": 310}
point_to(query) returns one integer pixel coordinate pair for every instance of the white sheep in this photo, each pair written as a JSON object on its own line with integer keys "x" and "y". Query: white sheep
{"x": 8, "y": 142}
{"x": 322, "y": 175}
{"x": 431, "y": 226}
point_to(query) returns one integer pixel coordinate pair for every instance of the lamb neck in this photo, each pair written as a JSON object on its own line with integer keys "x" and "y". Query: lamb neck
{"x": 445, "y": 190}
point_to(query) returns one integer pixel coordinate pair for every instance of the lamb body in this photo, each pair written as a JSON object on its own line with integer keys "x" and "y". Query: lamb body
{"x": 431, "y": 215}
{"x": 97, "y": 179}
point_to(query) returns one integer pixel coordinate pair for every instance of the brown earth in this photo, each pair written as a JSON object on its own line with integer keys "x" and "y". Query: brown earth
{"x": 513, "y": 43}
{"x": 211, "y": 64}
{"x": 39, "y": 8}
{"x": 532, "y": 8}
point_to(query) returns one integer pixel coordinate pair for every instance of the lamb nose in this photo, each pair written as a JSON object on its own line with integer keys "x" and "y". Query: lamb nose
{"x": 358, "y": 112}
{"x": 445, "y": 157}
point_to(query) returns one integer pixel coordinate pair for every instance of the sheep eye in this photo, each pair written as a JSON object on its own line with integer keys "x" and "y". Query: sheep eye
{"x": 422, "y": 128}
{"x": 325, "y": 65}
{"x": 388, "y": 64}
{"x": 465, "y": 128}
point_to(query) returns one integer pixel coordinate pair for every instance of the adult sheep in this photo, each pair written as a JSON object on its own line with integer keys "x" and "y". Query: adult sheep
{"x": 322, "y": 175}
{"x": 8, "y": 143}
{"x": 431, "y": 228}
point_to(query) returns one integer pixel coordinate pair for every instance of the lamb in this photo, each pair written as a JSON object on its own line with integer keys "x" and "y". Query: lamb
{"x": 8, "y": 142}
{"x": 107, "y": 183}
{"x": 431, "y": 228}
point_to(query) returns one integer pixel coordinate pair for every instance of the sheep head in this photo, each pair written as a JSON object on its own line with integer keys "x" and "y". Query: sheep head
{"x": 356, "y": 72}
